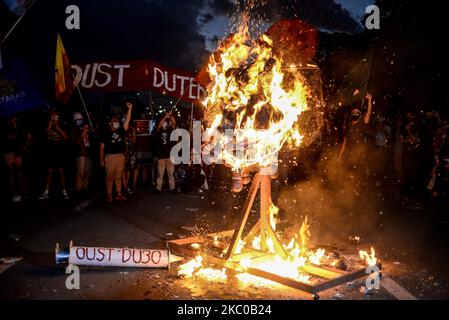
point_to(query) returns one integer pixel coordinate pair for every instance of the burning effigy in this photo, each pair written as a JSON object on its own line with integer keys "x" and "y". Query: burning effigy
{"x": 259, "y": 101}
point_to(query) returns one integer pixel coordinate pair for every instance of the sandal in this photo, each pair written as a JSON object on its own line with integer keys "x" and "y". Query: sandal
{"x": 109, "y": 198}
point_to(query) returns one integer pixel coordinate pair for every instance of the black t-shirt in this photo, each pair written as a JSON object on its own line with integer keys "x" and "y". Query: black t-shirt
{"x": 13, "y": 140}
{"x": 163, "y": 143}
{"x": 114, "y": 141}
{"x": 356, "y": 134}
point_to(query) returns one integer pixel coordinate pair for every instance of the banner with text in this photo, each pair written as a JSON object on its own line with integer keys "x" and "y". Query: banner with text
{"x": 18, "y": 90}
{"x": 138, "y": 75}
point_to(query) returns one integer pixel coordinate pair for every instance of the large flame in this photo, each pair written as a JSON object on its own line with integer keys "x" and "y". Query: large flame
{"x": 369, "y": 258}
{"x": 249, "y": 92}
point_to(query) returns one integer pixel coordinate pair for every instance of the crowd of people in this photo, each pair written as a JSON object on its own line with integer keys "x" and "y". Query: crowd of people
{"x": 413, "y": 149}
{"x": 408, "y": 150}
{"x": 84, "y": 152}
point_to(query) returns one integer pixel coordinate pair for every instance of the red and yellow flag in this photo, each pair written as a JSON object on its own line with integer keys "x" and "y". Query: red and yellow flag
{"x": 63, "y": 80}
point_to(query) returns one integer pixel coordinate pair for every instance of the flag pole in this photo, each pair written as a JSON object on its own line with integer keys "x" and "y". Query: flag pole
{"x": 82, "y": 101}
{"x": 16, "y": 23}
{"x": 368, "y": 77}
{"x": 84, "y": 104}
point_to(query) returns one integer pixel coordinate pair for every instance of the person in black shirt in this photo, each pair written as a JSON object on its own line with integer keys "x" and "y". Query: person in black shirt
{"x": 112, "y": 154}
{"x": 354, "y": 142}
{"x": 56, "y": 149}
{"x": 164, "y": 145}
{"x": 13, "y": 143}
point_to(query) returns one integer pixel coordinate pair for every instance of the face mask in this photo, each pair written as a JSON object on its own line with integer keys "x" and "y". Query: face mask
{"x": 115, "y": 125}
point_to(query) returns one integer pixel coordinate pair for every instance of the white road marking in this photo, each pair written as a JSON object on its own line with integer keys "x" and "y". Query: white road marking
{"x": 395, "y": 289}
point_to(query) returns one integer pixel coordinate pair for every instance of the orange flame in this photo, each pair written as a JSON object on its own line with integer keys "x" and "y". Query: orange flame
{"x": 247, "y": 83}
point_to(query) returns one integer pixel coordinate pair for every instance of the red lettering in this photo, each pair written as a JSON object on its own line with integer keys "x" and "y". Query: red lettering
{"x": 87, "y": 253}
{"x": 123, "y": 255}
{"x": 78, "y": 255}
{"x": 134, "y": 256}
{"x": 148, "y": 255}
{"x": 110, "y": 254}
{"x": 100, "y": 251}
{"x": 158, "y": 254}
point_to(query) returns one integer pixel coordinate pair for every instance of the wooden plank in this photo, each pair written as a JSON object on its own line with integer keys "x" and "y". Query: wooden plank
{"x": 239, "y": 228}
{"x": 265, "y": 204}
{"x": 282, "y": 280}
{"x": 321, "y": 272}
{"x": 278, "y": 246}
{"x": 251, "y": 254}
{"x": 255, "y": 229}
{"x": 343, "y": 279}
{"x": 200, "y": 239}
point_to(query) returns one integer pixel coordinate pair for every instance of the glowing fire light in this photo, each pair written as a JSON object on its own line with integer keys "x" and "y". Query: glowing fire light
{"x": 369, "y": 258}
{"x": 250, "y": 93}
{"x": 195, "y": 268}
{"x": 247, "y": 82}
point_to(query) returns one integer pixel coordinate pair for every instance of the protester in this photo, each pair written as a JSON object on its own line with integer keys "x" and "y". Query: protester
{"x": 398, "y": 148}
{"x": 353, "y": 149}
{"x": 57, "y": 138}
{"x": 81, "y": 137}
{"x": 164, "y": 128}
{"x": 131, "y": 170}
{"x": 411, "y": 156}
{"x": 144, "y": 155}
{"x": 13, "y": 143}
{"x": 439, "y": 183}
{"x": 382, "y": 137}
{"x": 112, "y": 154}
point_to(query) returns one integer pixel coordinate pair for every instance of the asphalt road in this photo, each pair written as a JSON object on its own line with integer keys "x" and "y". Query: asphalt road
{"x": 411, "y": 245}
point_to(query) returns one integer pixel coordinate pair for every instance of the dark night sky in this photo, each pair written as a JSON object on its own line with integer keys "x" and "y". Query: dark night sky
{"x": 174, "y": 32}
{"x": 177, "y": 33}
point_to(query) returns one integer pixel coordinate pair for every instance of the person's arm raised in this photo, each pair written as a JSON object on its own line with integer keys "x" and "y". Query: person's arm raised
{"x": 102, "y": 164}
{"x": 367, "y": 118}
{"x": 128, "y": 116}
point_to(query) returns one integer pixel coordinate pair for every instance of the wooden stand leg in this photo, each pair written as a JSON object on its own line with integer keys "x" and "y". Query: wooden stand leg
{"x": 239, "y": 228}
{"x": 263, "y": 226}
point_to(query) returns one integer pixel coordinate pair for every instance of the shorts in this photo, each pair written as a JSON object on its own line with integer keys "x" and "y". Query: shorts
{"x": 144, "y": 157}
{"x": 55, "y": 156}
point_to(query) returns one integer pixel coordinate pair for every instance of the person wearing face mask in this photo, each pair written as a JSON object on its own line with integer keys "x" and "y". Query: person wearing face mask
{"x": 352, "y": 148}
{"x": 81, "y": 137}
{"x": 112, "y": 154}
{"x": 164, "y": 145}
{"x": 56, "y": 138}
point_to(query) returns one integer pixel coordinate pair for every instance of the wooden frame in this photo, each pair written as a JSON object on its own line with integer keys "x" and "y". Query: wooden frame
{"x": 332, "y": 277}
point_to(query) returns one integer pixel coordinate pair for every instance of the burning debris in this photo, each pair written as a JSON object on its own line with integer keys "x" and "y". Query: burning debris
{"x": 265, "y": 106}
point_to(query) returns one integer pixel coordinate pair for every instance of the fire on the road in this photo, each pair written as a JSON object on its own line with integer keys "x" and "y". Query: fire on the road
{"x": 250, "y": 92}
{"x": 247, "y": 82}
{"x": 299, "y": 255}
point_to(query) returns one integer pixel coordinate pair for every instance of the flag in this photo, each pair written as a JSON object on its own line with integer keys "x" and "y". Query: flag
{"x": 63, "y": 80}
{"x": 18, "y": 7}
{"x": 18, "y": 90}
